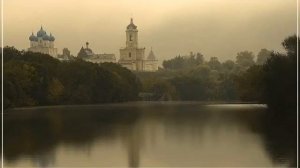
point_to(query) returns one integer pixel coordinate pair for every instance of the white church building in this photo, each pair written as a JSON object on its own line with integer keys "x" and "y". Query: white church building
{"x": 42, "y": 43}
{"x": 132, "y": 56}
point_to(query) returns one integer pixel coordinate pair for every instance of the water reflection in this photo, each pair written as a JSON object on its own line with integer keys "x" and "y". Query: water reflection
{"x": 143, "y": 134}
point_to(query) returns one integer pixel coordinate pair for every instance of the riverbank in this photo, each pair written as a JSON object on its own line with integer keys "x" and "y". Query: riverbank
{"x": 134, "y": 103}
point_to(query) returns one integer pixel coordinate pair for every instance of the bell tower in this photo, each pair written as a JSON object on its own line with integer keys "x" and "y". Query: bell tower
{"x": 132, "y": 56}
{"x": 131, "y": 35}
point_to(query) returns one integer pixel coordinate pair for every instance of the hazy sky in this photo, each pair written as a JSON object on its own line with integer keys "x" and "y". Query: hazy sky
{"x": 213, "y": 27}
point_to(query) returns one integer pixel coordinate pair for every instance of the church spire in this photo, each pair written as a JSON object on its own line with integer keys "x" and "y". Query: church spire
{"x": 131, "y": 25}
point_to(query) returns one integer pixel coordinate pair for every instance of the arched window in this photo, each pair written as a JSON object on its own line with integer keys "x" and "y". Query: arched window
{"x": 129, "y": 54}
{"x": 130, "y": 37}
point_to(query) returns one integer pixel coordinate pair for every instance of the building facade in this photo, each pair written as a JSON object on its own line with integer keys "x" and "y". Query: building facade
{"x": 87, "y": 54}
{"x": 151, "y": 63}
{"x": 132, "y": 56}
{"x": 42, "y": 43}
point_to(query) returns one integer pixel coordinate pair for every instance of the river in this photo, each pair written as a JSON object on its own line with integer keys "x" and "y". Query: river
{"x": 144, "y": 134}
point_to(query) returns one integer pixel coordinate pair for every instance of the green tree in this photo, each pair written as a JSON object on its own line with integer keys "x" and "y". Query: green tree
{"x": 39, "y": 79}
{"x": 263, "y": 56}
{"x": 55, "y": 91}
{"x": 214, "y": 63}
{"x": 228, "y": 66}
{"x": 245, "y": 59}
{"x": 199, "y": 58}
{"x": 281, "y": 77}
{"x": 250, "y": 84}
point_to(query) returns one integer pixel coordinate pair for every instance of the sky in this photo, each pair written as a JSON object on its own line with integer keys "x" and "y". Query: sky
{"x": 215, "y": 28}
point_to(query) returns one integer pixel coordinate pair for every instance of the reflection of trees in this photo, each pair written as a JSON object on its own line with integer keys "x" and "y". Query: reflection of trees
{"x": 195, "y": 119}
{"x": 38, "y": 132}
{"x": 280, "y": 134}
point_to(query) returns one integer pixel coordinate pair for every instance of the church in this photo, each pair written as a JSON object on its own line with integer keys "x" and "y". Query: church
{"x": 42, "y": 43}
{"x": 87, "y": 54}
{"x": 132, "y": 56}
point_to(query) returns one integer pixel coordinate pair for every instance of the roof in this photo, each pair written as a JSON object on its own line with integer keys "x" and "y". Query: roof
{"x": 85, "y": 53}
{"x": 131, "y": 25}
{"x": 104, "y": 56}
{"x": 151, "y": 56}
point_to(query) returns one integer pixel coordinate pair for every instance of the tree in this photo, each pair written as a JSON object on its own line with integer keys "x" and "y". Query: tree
{"x": 281, "y": 77}
{"x": 228, "y": 66}
{"x": 245, "y": 59}
{"x": 199, "y": 58}
{"x": 290, "y": 45}
{"x": 214, "y": 63}
{"x": 39, "y": 79}
{"x": 280, "y": 94}
{"x": 55, "y": 91}
{"x": 185, "y": 62}
{"x": 175, "y": 63}
{"x": 262, "y": 56}
{"x": 19, "y": 79}
{"x": 250, "y": 84}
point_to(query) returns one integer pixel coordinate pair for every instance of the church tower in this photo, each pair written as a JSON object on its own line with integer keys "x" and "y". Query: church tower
{"x": 132, "y": 56}
{"x": 131, "y": 35}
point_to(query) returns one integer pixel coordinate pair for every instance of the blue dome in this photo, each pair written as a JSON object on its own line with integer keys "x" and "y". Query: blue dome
{"x": 33, "y": 38}
{"x": 51, "y": 38}
{"x": 41, "y": 32}
{"x": 46, "y": 37}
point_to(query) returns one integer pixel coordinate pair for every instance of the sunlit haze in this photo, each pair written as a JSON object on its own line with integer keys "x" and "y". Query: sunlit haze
{"x": 172, "y": 27}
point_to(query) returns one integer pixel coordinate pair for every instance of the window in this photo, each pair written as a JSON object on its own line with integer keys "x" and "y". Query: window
{"x": 130, "y": 37}
{"x": 129, "y": 54}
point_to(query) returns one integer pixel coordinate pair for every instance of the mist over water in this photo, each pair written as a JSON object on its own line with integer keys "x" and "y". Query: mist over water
{"x": 143, "y": 134}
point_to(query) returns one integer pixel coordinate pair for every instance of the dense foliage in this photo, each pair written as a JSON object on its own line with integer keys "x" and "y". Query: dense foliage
{"x": 270, "y": 79}
{"x": 38, "y": 79}
{"x": 274, "y": 82}
{"x": 180, "y": 62}
{"x": 193, "y": 78}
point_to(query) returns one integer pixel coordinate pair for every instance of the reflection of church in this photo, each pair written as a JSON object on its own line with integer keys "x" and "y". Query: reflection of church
{"x": 42, "y": 43}
{"x": 133, "y": 57}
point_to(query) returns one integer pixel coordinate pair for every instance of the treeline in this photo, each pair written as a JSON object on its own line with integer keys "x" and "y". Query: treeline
{"x": 275, "y": 82}
{"x": 37, "y": 79}
{"x": 194, "y": 78}
{"x": 270, "y": 78}
{"x": 244, "y": 60}
{"x": 32, "y": 79}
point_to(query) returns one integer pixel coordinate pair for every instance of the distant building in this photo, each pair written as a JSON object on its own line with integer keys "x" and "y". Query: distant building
{"x": 66, "y": 56}
{"x": 66, "y": 52}
{"x": 42, "y": 43}
{"x": 133, "y": 57}
{"x": 87, "y": 54}
{"x": 151, "y": 63}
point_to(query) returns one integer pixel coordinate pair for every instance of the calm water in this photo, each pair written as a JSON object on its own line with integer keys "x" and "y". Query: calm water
{"x": 144, "y": 134}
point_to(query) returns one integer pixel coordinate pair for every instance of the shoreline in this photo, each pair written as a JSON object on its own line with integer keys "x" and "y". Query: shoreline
{"x": 129, "y": 103}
